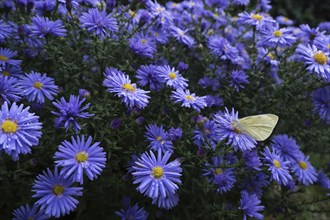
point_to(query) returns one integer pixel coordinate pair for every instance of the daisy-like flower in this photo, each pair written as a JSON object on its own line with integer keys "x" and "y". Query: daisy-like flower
{"x": 189, "y": 100}
{"x": 6, "y": 56}
{"x": 220, "y": 47}
{"x": 158, "y": 138}
{"x": 207, "y": 135}
{"x": 70, "y": 111}
{"x": 56, "y": 193}
{"x": 155, "y": 176}
{"x": 172, "y": 77}
{"x": 251, "y": 160}
{"x": 26, "y": 213}
{"x": 98, "y": 23}
{"x": 158, "y": 12}
{"x": 182, "y": 37}
{"x": 5, "y": 30}
{"x": 143, "y": 45}
{"x": 132, "y": 212}
{"x": 257, "y": 20}
{"x": 304, "y": 171}
{"x": 119, "y": 83}
{"x": 147, "y": 76}
{"x": 316, "y": 60}
{"x": 9, "y": 89}
{"x": 286, "y": 147}
{"x": 169, "y": 202}
{"x": 228, "y": 130}
{"x": 253, "y": 184}
{"x": 284, "y": 20}
{"x": 308, "y": 34}
{"x": 79, "y": 157}
{"x": 250, "y": 205}
{"x": 321, "y": 101}
{"x": 11, "y": 71}
{"x": 35, "y": 87}
{"x": 238, "y": 79}
{"x": 273, "y": 37}
{"x": 323, "y": 43}
{"x": 323, "y": 180}
{"x": 42, "y": 27}
{"x": 19, "y": 131}
{"x": 278, "y": 167}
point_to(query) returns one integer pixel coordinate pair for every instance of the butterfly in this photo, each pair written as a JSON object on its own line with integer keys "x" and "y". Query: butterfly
{"x": 259, "y": 127}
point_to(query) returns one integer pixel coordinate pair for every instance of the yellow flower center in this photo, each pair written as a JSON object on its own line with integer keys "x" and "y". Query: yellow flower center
{"x": 257, "y": 17}
{"x": 128, "y": 87}
{"x": 38, "y": 85}
{"x": 132, "y": 13}
{"x": 143, "y": 41}
{"x": 217, "y": 171}
{"x": 181, "y": 33}
{"x": 320, "y": 58}
{"x": 158, "y": 138}
{"x": 207, "y": 131}
{"x": 303, "y": 165}
{"x": 190, "y": 98}
{"x": 30, "y": 218}
{"x": 9, "y": 126}
{"x": 156, "y": 34}
{"x": 81, "y": 156}
{"x": 157, "y": 172}
{"x": 210, "y": 32}
{"x": 172, "y": 75}
{"x": 329, "y": 46}
{"x": 271, "y": 56}
{"x": 286, "y": 19}
{"x": 3, "y": 58}
{"x": 236, "y": 130}
{"x": 58, "y": 190}
{"x": 159, "y": 9}
{"x": 277, "y": 164}
{"x": 278, "y": 33}
{"x": 5, "y": 73}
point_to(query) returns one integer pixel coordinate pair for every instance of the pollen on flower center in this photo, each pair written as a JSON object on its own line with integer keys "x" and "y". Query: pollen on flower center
{"x": 82, "y": 156}
{"x": 181, "y": 33}
{"x": 303, "y": 165}
{"x": 236, "y": 130}
{"x": 218, "y": 171}
{"x": 277, "y": 33}
{"x": 159, "y": 138}
{"x": 271, "y": 56}
{"x": 38, "y": 85}
{"x": 320, "y": 58}
{"x": 277, "y": 164}
{"x": 9, "y": 126}
{"x": 128, "y": 87}
{"x": 5, "y": 73}
{"x": 58, "y": 190}
{"x": 257, "y": 17}
{"x": 143, "y": 41}
{"x": 329, "y": 46}
{"x": 157, "y": 172}
{"x": 190, "y": 98}
{"x": 172, "y": 75}
{"x": 3, "y": 58}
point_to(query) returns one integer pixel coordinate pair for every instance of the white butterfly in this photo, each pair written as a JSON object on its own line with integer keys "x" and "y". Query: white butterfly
{"x": 259, "y": 127}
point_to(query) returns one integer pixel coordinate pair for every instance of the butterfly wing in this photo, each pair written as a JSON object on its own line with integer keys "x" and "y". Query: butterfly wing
{"x": 259, "y": 127}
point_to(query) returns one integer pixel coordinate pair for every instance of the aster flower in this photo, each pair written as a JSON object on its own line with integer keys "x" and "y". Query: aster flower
{"x": 304, "y": 171}
{"x": 308, "y": 34}
{"x": 250, "y": 205}
{"x": 172, "y": 77}
{"x": 6, "y": 56}
{"x": 321, "y": 101}
{"x": 35, "y": 87}
{"x": 223, "y": 178}
{"x": 147, "y": 76}
{"x": 257, "y": 20}
{"x": 98, "y": 23}
{"x": 174, "y": 133}
{"x": 286, "y": 147}
{"x": 132, "y": 212}
{"x": 182, "y": 37}
{"x": 253, "y": 184}
{"x": 278, "y": 167}
{"x": 20, "y": 130}
{"x": 44, "y": 7}
{"x": 188, "y": 100}
{"x": 316, "y": 60}
{"x": 143, "y": 45}
{"x": 158, "y": 138}
{"x": 11, "y": 71}
{"x": 25, "y": 212}
{"x": 56, "y": 193}
{"x": 167, "y": 203}
{"x": 251, "y": 160}
{"x": 275, "y": 36}
{"x": 42, "y": 27}
{"x": 206, "y": 82}
{"x": 284, "y": 20}
{"x": 5, "y": 30}
{"x": 78, "y": 157}
{"x": 220, "y": 47}
{"x": 70, "y": 111}
{"x": 323, "y": 43}
{"x": 9, "y": 89}
{"x": 119, "y": 83}
{"x": 160, "y": 35}
{"x": 208, "y": 135}
{"x": 238, "y": 78}
{"x": 323, "y": 180}
{"x": 155, "y": 176}
{"x": 227, "y": 130}
{"x": 158, "y": 12}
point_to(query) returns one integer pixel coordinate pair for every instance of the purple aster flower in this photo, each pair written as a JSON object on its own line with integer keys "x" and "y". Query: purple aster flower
{"x": 189, "y": 100}
{"x": 182, "y": 66}
{"x": 223, "y": 178}
{"x": 241, "y": 2}
{"x": 155, "y": 176}
{"x": 147, "y": 75}
{"x": 321, "y": 100}
{"x": 35, "y": 87}
{"x": 324, "y": 26}
{"x": 206, "y": 135}
{"x": 132, "y": 212}
{"x": 44, "y": 7}
{"x": 158, "y": 138}
{"x": 286, "y": 147}
{"x": 120, "y": 84}
{"x": 70, "y": 111}
{"x": 159, "y": 13}
{"x": 277, "y": 166}
{"x": 25, "y": 212}
{"x": 238, "y": 78}
{"x": 182, "y": 37}
{"x": 98, "y": 23}
{"x": 253, "y": 184}
{"x": 56, "y": 193}
{"x": 316, "y": 60}
{"x": 257, "y": 20}
{"x": 160, "y": 35}
{"x": 5, "y": 30}
{"x": 11, "y": 71}
{"x": 143, "y": 45}
{"x": 277, "y": 37}
{"x": 304, "y": 171}
{"x": 206, "y": 82}
{"x": 84, "y": 93}
{"x": 78, "y": 157}
{"x": 220, "y": 47}
{"x": 268, "y": 57}
{"x": 284, "y": 20}
{"x": 174, "y": 133}
{"x": 227, "y": 128}
{"x": 6, "y": 56}
{"x": 251, "y": 160}
{"x": 308, "y": 34}
{"x": 323, "y": 180}
{"x": 250, "y": 205}
{"x": 323, "y": 43}
{"x": 169, "y": 202}
{"x": 20, "y": 130}
{"x": 9, "y": 89}
{"x": 172, "y": 77}
{"x": 42, "y": 27}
